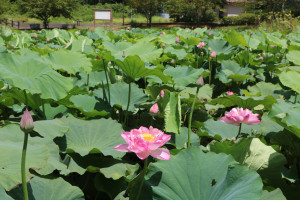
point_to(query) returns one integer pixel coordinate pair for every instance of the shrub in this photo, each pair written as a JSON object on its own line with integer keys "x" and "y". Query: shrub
{"x": 242, "y": 19}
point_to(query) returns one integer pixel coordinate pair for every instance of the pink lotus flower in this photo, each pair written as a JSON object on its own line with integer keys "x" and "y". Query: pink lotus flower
{"x": 200, "y": 81}
{"x": 160, "y": 34}
{"x": 26, "y": 122}
{"x": 238, "y": 115}
{"x": 68, "y": 43}
{"x": 209, "y": 33}
{"x": 128, "y": 28}
{"x": 47, "y": 39}
{"x": 251, "y": 33}
{"x": 35, "y": 35}
{"x": 12, "y": 50}
{"x": 261, "y": 58}
{"x": 172, "y": 61}
{"x": 213, "y": 54}
{"x": 144, "y": 142}
{"x": 162, "y": 94}
{"x": 272, "y": 45}
{"x": 201, "y": 45}
{"x": 163, "y": 45}
{"x": 177, "y": 39}
{"x": 229, "y": 93}
{"x": 12, "y": 45}
{"x": 154, "y": 110}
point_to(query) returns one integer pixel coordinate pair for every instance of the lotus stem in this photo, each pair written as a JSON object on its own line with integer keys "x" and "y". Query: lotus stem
{"x": 143, "y": 173}
{"x": 240, "y": 128}
{"x": 128, "y": 103}
{"x": 107, "y": 82}
{"x": 296, "y": 95}
{"x": 87, "y": 81}
{"x": 191, "y": 116}
{"x": 210, "y": 69}
{"x": 23, "y": 163}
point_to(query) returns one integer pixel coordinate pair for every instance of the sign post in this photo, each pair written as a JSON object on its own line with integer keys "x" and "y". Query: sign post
{"x": 103, "y": 14}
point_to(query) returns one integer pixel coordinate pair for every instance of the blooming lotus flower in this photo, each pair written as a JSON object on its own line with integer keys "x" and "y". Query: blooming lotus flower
{"x": 35, "y": 35}
{"x": 162, "y": 94}
{"x": 261, "y": 58}
{"x": 177, "y": 39}
{"x": 200, "y": 81}
{"x": 163, "y": 45}
{"x": 213, "y": 54}
{"x": 154, "y": 110}
{"x": 26, "y": 122}
{"x": 144, "y": 142}
{"x": 201, "y": 45}
{"x": 229, "y": 93}
{"x": 238, "y": 115}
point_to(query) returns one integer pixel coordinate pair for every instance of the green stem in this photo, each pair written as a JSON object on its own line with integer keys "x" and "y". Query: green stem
{"x": 295, "y": 98}
{"x": 209, "y": 72}
{"x": 106, "y": 76}
{"x": 143, "y": 174}
{"x": 43, "y": 107}
{"x": 87, "y": 81}
{"x": 128, "y": 103}
{"x": 239, "y": 131}
{"x": 24, "y": 182}
{"x": 191, "y": 116}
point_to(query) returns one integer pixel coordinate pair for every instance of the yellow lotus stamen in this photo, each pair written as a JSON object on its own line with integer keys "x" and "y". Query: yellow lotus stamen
{"x": 148, "y": 137}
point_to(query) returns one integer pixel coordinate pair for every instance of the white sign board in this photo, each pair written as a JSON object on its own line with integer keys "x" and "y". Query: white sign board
{"x": 103, "y": 14}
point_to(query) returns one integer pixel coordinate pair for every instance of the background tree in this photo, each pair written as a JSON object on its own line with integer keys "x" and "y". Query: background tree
{"x": 3, "y": 6}
{"x": 148, "y": 7}
{"x": 44, "y": 9}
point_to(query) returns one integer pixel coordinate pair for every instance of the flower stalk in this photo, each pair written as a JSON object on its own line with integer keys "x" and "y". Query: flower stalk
{"x": 191, "y": 116}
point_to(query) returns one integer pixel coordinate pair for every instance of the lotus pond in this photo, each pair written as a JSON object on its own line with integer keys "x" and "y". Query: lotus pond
{"x": 173, "y": 114}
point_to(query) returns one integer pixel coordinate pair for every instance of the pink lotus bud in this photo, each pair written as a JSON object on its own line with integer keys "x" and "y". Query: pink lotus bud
{"x": 123, "y": 55}
{"x": 68, "y": 43}
{"x": 128, "y": 28}
{"x": 162, "y": 94}
{"x": 154, "y": 110}
{"x": 26, "y": 122}
{"x": 177, "y": 39}
{"x": 209, "y": 33}
{"x": 163, "y": 45}
{"x": 272, "y": 45}
{"x": 229, "y": 93}
{"x": 35, "y": 35}
{"x": 213, "y": 54}
{"x": 12, "y": 50}
{"x": 200, "y": 81}
{"x": 145, "y": 142}
{"x": 172, "y": 61}
{"x": 47, "y": 39}
{"x": 160, "y": 34}
{"x": 251, "y": 33}
{"x": 163, "y": 32}
{"x": 238, "y": 115}
{"x": 12, "y": 45}
{"x": 261, "y": 58}
{"x": 201, "y": 45}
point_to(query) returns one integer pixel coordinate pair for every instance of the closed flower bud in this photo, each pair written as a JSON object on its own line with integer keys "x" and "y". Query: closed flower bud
{"x": 26, "y": 122}
{"x": 123, "y": 55}
{"x": 172, "y": 61}
{"x": 163, "y": 45}
{"x": 162, "y": 94}
{"x": 261, "y": 58}
{"x": 200, "y": 81}
{"x": 47, "y": 40}
{"x": 154, "y": 110}
{"x": 35, "y": 35}
{"x": 201, "y": 45}
{"x": 213, "y": 54}
{"x": 177, "y": 39}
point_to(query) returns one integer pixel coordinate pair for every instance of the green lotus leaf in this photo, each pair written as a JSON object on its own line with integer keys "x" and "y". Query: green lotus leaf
{"x": 111, "y": 187}
{"x": 290, "y": 79}
{"x": 183, "y": 76}
{"x": 234, "y": 38}
{"x": 186, "y": 176}
{"x": 191, "y": 40}
{"x": 286, "y": 115}
{"x": 255, "y": 155}
{"x": 33, "y": 74}
{"x": 94, "y": 136}
{"x": 3, "y": 195}
{"x": 119, "y": 95}
{"x": 89, "y": 106}
{"x": 11, "y": 142}
{"x": 82, "y": 44}
{"x": 50, "y": 189}
{"x": 262, "y": 89}
{"x": 167, "y": 39}
{"x": 146, "y": 51}
{"x": 180, "y": 53}
{"x": 274, "y": 195}
{"x": 220, "y": 46}
{"x": 70, "y": 62}
{"x": 293, "y": 56}
{"x": 58, "y": 129}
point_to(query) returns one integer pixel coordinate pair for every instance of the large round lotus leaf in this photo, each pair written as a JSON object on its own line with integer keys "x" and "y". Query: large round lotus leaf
{"x": 58, "y": 129}
{"x": 93, "y": 136}
{"x": 11, "y": 143}
{"x": 291, "y": 80}
{"x": 220, "y": 46}
{"x": 234, "y": 38}
{"x": 293, "y": 56}
{"x": 183, "y": 76}
{"x": 195, "y": 175}
{"x": 274, "y": 195}
{"x": 180, "y": 53}
{"x": 146, "y": 51}
{"x": 69, "y": 61}
{"x": 49, "y": 189}
{"x": 119, "y": 95}
{"x": 33, "y": 74}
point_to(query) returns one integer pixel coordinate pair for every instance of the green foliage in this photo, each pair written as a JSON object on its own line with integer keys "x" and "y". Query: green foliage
{"x": 242, "y": 19}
